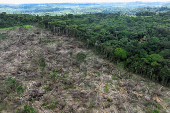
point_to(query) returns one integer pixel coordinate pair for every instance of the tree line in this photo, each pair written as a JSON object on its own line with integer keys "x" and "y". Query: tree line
{"x": 10, "y": 20}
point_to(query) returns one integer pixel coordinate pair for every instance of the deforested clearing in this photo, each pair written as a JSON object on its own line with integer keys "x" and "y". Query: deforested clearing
{"x": 44, "y": 73}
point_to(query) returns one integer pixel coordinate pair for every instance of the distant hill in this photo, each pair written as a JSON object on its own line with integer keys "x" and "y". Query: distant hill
{"x": 129, "y": 8}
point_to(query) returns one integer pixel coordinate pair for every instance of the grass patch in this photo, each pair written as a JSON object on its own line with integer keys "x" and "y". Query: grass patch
{"x": 46, "y": 87}
{"x": 53, "y": 76}
{"x": 27, "y": 26}
{"x": 14, "y": 27}
{"x": 1, "y": 29}
{"x": 20, "y": 89}
{"x": 156, "y": 111}
{"x": 106, "y": 88}
{"x": 158, "y": 106}
{"x": 109, "y": 99}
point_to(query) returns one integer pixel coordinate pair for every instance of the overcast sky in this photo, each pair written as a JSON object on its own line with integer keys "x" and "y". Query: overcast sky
{"x": 68, "y": 1}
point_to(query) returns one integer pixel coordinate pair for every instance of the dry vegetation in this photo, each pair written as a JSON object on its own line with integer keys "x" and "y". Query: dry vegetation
{"x": 39, "y": 72}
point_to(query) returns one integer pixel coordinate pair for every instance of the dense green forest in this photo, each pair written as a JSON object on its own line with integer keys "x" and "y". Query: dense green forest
{"x": 140, "y": 43}
{"x": 10, "y": 20}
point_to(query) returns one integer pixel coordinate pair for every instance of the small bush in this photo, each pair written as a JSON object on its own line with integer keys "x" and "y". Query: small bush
{"x": 114, "y": 77}
{"x": 98, "y": 74}
{"x": 106, "y": 88}
{"x": 64, "y": 76}
{"x": 56, "y": 102}
{"x": 8, "y": 92}
{"x": 58, "y": 70}
{"x": 28, "y": 109}
{"x": 158, "y": 106}
{"x": 156, "y": 111}
{"x": 41, "y": 62}
{"x": 109, "y": 99}
{"x": 46, "y": 87}
{"x": 10, "y": 80}
{"x": 53, "y": 75}
{"x": 20, "y": 89}
{"x": 80, "y": 57}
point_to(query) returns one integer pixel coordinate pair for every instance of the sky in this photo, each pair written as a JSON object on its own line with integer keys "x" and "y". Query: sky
{"x": 71, "y": 1}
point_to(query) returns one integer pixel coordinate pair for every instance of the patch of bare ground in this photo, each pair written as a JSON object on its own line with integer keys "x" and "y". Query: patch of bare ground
{"x": 46, "y": 67}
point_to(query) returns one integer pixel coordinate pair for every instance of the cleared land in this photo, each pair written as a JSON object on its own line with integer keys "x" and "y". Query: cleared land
{"x": 39, "y": 72}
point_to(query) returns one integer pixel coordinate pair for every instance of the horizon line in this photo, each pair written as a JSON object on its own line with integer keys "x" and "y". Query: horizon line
{"x": 86, "y": 2}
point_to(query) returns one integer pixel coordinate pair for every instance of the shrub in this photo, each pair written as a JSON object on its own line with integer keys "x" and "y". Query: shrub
{"x": 106, "y": 88}
{"x": 28, "y": 109}
{"x": 41, "y": 62}
{"x": 80, "y": 57}
{"x": 46, "y": 87}
{"x": 20, "y": 89}
{"x": 10, "y": 80}
{"x": 109, "y": 99}
{"x": 53, "y": 75}
{"x": 156, "y": 111}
